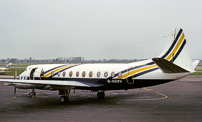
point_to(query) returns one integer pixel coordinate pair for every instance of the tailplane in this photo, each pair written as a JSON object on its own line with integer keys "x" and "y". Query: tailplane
{"x": 168, "y": 67}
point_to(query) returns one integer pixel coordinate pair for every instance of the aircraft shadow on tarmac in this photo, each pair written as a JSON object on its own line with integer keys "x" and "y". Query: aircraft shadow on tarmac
{"x": 51, "y": 101}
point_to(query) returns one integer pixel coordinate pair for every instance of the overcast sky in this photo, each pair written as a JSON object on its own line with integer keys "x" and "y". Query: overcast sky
{"x": 96, "y": 29}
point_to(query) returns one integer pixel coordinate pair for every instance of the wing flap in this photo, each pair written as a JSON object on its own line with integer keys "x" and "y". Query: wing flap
{"x": 168, "y": 67}
{"x": 47, "y": 82}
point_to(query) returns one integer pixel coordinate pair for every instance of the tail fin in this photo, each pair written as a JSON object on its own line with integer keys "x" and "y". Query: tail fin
{"x": 8, "y": 66}
{"x": 176, "y": 50}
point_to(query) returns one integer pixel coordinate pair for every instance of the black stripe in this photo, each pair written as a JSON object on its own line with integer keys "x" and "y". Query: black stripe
{"x": 179, "y": 51}
{"x": 144, "y": 72}
{"x": 63, "y": 70}
{"x": 130, "y": 69}
{"x": 173, "y": 44}
{"x": 151, "y": 63}
{"x": 53, "y": 69}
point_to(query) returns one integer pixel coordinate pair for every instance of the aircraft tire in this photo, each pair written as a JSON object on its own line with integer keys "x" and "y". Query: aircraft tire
{"x": 32, "y": 94}
{"x": 100, "y": 95}
{"x": 64, "y": 99}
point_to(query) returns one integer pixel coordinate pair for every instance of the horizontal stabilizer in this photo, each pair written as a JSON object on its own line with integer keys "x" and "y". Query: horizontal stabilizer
{"x": 168, "y": 67}
{"x": 195, "y": 63}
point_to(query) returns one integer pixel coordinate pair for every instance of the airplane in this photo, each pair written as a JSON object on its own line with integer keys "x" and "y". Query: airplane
{"x": 172, "y": 64}
{"x": 5, "y": 69}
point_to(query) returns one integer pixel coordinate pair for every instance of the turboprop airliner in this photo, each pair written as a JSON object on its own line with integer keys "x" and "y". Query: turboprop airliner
{"x": 5, "y": 69}
{"x": 173, "y": 63}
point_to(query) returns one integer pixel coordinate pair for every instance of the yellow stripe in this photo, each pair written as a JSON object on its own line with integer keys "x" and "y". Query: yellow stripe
{"x": 176, "y": 47}
{"x": 48, "y": 74}
{"x": 136, "y": 71}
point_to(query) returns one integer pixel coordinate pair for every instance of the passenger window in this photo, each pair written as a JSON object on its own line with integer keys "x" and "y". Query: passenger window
{"x": 112, "y": 74}
{"x": 120, "y": 74}
{"x": 105, "y": 74}
{"x": 63, "y": 74}
{"x": 90, "y": 74}
{"x": 77, "y": 74}
{"x": 70, "y": 74}
{"x": 58, "y": 74}
{"x": 83, "y": 74}
{"x": 98, "y": 74}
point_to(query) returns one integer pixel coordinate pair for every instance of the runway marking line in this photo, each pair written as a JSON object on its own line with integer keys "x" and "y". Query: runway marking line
{"x": 164, "y": 96}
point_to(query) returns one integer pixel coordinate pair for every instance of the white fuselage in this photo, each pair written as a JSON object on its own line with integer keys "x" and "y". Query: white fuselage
{"x": 96, "y": 73}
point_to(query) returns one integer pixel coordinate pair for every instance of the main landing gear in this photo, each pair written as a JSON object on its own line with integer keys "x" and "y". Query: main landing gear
{"x": 64, "y": 99}
{"x": 32, "y": 94}
{"x": 101, "y": 95}
{"x": 65, "y": 95}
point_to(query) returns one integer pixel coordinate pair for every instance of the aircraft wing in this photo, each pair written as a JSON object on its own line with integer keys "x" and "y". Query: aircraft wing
{"x": 48, "y": 82}
{"x": 168, "y": 67}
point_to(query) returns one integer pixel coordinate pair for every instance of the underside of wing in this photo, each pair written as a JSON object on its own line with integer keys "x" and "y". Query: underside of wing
{"x": 49, "y": 82}
{"x": 168, "y": 67}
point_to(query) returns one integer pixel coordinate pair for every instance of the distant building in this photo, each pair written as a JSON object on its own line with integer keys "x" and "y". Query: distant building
{"x": 77, "y": 59}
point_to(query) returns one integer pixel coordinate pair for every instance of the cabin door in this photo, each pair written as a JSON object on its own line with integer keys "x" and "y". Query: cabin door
{"x": 37, "y": 73}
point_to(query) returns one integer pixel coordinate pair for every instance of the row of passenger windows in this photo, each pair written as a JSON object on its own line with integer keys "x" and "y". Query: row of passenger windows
{"x": 83, "y": 74}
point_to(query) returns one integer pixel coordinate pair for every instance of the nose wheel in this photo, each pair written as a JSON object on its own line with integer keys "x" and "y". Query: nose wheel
{"x": 100, "y": 95}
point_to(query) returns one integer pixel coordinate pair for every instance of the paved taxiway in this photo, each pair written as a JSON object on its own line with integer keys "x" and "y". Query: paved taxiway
{"x": 174, "y": 101}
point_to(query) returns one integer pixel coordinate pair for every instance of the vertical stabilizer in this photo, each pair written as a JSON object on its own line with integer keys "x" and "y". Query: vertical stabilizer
{"x": 8, "y": 66}
{"x": 176, "y": 50}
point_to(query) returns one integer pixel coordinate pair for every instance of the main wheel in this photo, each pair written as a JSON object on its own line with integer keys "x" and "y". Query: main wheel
{"x": 64, "y": 99}
{"x": 32, "y": 94}
{"x": 100, "y": 95}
